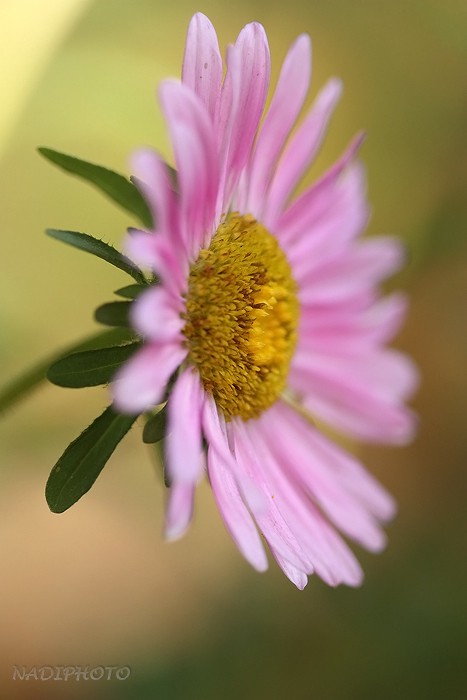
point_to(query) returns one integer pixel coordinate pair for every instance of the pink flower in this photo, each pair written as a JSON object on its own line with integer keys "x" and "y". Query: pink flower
{"x": 268, "y": 314}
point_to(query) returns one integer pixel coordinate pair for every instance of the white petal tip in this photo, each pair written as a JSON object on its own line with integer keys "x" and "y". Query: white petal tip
{"x": 302, "y": 584}
{"x": 259, "y": 565}
{"x": 257, "y": 559}
{"x": 303, "y": 40}
{"x": 336, "y": 84}
{"x": 130, "y": 399}
{"x": 124, "y": 403}
{"x": 299, "y": 580}
{"x": 354, "y": 579}
{"x": 175, "y": 532}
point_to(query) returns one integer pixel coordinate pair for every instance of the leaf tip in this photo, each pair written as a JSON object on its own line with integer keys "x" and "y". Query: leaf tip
{"x": 45, "y": 152}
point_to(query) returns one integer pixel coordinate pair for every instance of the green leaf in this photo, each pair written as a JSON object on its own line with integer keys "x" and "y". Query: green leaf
{"x": 131, "y": 291}
{"x": 114, "y": 313}
{"x": 91, "y": 367}
{"x": 19, "y": 388}
{"x": 102, "y": 250}
{"x": 83, "y": 460}
{"x": 155, "y": 427}
{"x": 115, "y": 186}
{"x": 158, "y": 454}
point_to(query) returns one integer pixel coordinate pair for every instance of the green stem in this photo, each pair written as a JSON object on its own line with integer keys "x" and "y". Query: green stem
{"x": 20, "y": 387}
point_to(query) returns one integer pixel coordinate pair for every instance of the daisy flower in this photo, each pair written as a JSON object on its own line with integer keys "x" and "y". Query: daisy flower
{"x": 267, "y": 319}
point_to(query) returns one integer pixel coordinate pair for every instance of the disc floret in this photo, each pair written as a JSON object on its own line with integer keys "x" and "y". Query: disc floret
{"x": 241, "y": 317}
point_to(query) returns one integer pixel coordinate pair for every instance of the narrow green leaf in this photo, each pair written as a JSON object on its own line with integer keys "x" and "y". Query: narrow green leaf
{"x": 115, "y": 186}
{"x": 19, "y": 388}
{"x": 83, "y": 460}
{"x": 155, "y": 427}
{"x": 114, "y": 313}
{"x": 91, "y": 367}
{"x": 102, "y": 250}
{"x": 131, "y": 291}
{"x": 158, "y": 454}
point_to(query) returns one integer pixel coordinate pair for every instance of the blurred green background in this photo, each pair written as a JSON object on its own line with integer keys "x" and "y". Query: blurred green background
{"x": 97, "y": 585}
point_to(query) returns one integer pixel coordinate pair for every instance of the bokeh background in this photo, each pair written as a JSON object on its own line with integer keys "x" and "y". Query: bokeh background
{"x": 97, "y": 585}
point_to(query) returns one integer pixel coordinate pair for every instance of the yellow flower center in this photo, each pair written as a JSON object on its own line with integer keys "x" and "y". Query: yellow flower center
{"x": 241, "y": 317}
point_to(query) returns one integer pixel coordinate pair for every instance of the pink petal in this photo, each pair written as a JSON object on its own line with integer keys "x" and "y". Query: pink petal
{"x": 385, "y": 374}
{"x": 385, "y": 318}
{"x": 243, "y": 99}
{"x": 365, "y": 262}
{"x": 357, "y": 304}
{"x": 224, "y": 120}
{"x": 142, "y": 247}
{"x": 234, "y": 512}
{"x": 154, "y": 251}
{"x": 301, "y": 151}
{"x": 272, "y": 523}
{"x": 376, "y": 258}
{"x": 323, "y": 328}
{"x": 330, "y": 557}
{"x": 140, "y": 383}
{"x": 340, "y": 218}
{"x": 349, "y": 472}
{"x": 183, "y": 442}
{"x": 309, "y": 206}
{"x": 215, "y": 431}
{"x": 191, "y": 132}
{"x": 153, "y": 180}
{"x": 309, "y": 465}
{"x": 285, "y": 107}
{"x": 156, "y": 315}
{"x": 352, "y": 407}
{"x": 299, "y": 578}
{"x": 179, "y": 510}
{"x": 202, "y": 62}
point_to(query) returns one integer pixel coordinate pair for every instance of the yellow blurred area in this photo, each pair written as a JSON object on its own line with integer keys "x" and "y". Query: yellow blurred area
{"x": 30, "y": 33}
{"x": 97, "y": 585}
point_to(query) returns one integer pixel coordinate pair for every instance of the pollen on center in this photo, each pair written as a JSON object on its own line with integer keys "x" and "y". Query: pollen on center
{"x": 241, "y": 316}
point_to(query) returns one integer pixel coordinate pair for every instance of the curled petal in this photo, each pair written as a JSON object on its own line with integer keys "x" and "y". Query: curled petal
{"x": 299, "y": 578}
